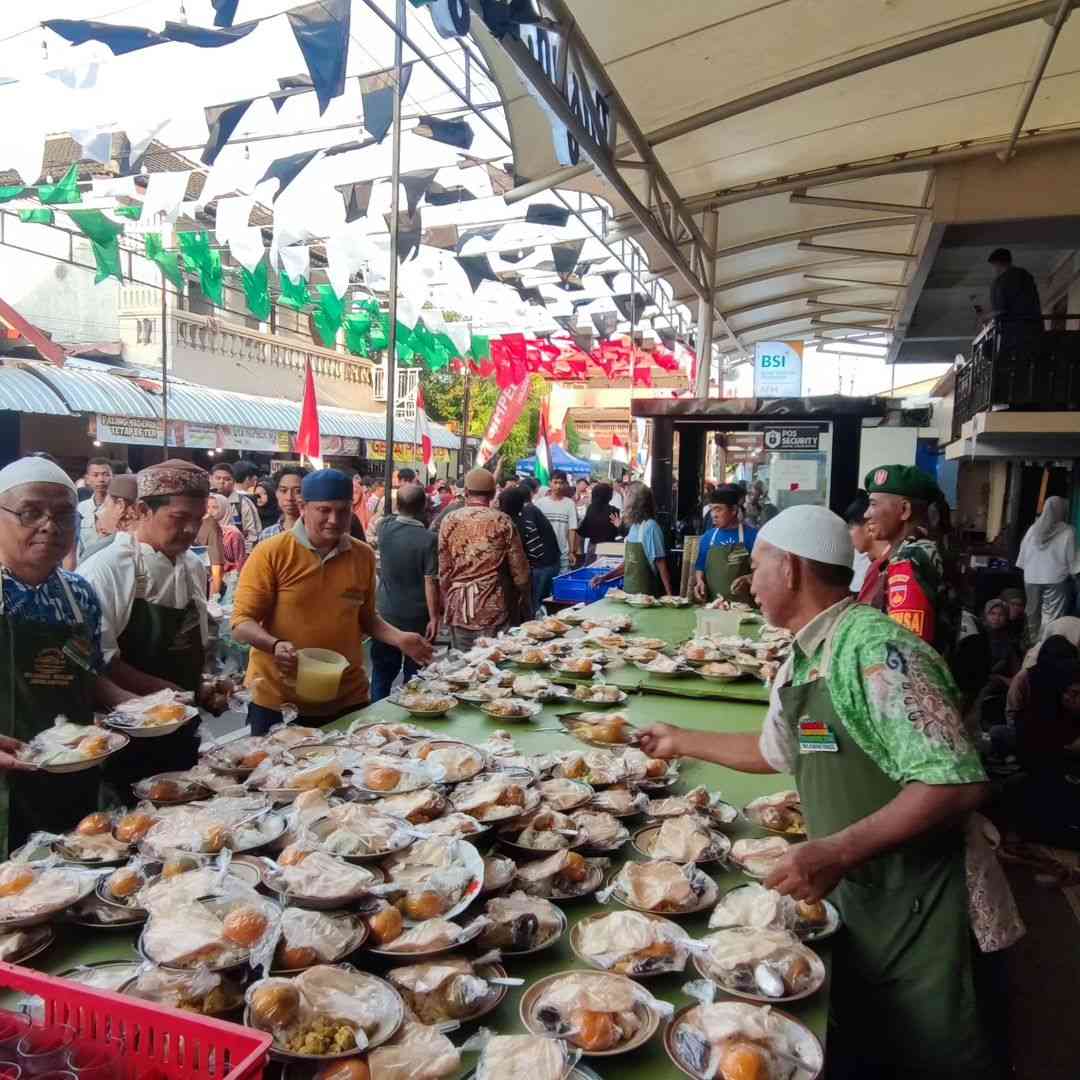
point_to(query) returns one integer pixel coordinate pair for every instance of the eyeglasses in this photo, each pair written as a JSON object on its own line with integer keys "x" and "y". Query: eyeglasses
{"x": 33, "y": 517}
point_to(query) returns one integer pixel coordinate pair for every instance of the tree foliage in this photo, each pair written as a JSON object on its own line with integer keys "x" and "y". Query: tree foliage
{"x": 444, "y": 394}
{"x": 573, "y": 437}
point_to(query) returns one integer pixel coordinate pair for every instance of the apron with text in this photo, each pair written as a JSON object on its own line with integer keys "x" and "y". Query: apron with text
{"x": 165, "y": 642}
{"x": 903, "y": 993}
{"x": 639, "y": 573}
{"x": 723, "y": 564}
{"x": 46, "y": 674}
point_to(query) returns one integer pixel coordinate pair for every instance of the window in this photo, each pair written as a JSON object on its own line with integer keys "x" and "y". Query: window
{"x": 198, "y": 302}
{"x": 408, "y": 379}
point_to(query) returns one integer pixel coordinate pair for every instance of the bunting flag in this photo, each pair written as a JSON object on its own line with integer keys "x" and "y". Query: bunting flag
{"x": 37, "y": 217}
{"x": 358, "y": 333}
{"x": 66, "y": 191}
{"x": 477, "y": 269}
{"x": 308, "y": 439}
{"x": 424, "y": 429}
{"x": 328, "y": 315}
{"x": 321, "y": 30}
{"x": 103, "y": 235}
{"x": 11, "y": 191}
{"x": 452, "y": 132}
{"x": 294, "y": 294}
{"x": 224, "y": 11}
{"x": 164, "y": 193}
{"x": 543, "y": 452}
{"x": 168, "y": 262}
{"x": 199, "y": 255}
{"x": 437, "y": 195}
{"x": 409, "y": 232}
{"x": 631, "y": 305}
{"x": 566, "y": 256}
{"x": 416, "y": 186}
{"x": 547, "y": 214}
{"x": 357, "y": 198}
{"x": 642, "y": 375}
{"x": 257, "y": 291}
{"x": 221, "y": 121}
{"x": 377, "y": 95}
{"x": 605, "y": 323}
{"x": 286, "y": 169}
{"x": 125, "y": 39}
{"x": 619, "y": 451}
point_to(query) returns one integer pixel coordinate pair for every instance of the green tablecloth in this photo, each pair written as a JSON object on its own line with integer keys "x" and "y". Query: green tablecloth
{"x": 650, "y": 1062}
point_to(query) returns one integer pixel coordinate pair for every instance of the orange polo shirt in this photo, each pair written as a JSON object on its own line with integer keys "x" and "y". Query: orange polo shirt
{"x": 314, "y": 602}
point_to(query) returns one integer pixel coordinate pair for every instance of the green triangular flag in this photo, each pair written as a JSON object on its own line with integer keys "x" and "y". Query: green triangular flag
{"x": 37, "y": 217}
{"x": 67, "y": 191}
{"x": 168, "y": 262}
{"x": 12, "y": 191}
{"x": 328, "y": 315}
{"x": 104, "y": 237}
{"x": 480, "y": 347}
{"x": 132, "y": 212}
{"x": 358, "y": 335}
{"x": 256, "y": 292}
{"x": 404, "y": 345}
{"x": 293, "y": 294}
{"x": 198, "y": 254}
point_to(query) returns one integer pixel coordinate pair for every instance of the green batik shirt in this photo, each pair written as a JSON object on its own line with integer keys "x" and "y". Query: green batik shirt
{"x": 893, "y": 692}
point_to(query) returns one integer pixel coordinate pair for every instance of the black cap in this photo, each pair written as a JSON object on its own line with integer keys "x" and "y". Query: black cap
{"x": 1000, "y": 255}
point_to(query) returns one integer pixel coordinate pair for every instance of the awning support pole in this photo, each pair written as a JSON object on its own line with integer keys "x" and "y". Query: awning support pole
{"x": 395, "y": 200}
{"x": 164, "y": 373}
{"x": 705, "y": 313}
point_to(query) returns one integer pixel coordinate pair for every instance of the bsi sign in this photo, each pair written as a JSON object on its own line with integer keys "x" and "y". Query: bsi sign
{"x": 778, "y": 369}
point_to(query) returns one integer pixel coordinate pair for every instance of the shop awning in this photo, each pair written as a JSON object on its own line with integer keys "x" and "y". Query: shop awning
{"x": 87, "y": 391}
{"x": 22, "y": 392}
{"x": 203, "y": 405}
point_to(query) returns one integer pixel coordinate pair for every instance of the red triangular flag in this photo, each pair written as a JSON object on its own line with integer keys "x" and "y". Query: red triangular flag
{"x": 425, "y": 432}
{"x": 308, "y": 439}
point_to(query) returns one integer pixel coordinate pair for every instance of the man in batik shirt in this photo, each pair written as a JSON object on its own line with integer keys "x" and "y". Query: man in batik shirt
{"x": 907, "y": 583}
{"x": 865, "y": 715}
{"x": 483, "y": 571}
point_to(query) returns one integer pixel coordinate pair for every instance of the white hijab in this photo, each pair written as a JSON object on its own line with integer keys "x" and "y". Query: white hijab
{"x": 1049, "y": 524}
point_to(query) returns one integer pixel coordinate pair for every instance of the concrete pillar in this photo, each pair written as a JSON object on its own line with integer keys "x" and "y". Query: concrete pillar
{"x": 705, "y": 310}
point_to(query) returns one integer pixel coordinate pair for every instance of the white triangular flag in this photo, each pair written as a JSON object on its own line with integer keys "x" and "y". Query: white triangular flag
{"x": 164, "y": 193}
{"x": 247, "y": 247}
{"x": 295, "y": 261}
{"x": 231, "y": 216}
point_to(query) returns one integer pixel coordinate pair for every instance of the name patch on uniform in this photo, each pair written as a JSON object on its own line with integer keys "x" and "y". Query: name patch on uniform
{"x": 816, "y": 737}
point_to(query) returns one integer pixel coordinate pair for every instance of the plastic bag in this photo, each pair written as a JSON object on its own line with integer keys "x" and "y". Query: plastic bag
{"x": 417, "y": 1052}
{"x": 511, "y": 1057}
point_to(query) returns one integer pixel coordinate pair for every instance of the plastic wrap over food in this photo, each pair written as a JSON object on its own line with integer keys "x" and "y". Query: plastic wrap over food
{"x": 682, "y": 839}
{"x": 634, "y": 943}
{"x": 499, "y": 871}
{"x": 511, "y": 1057}
{"x": 620, "y": 801}
{"x": 758, "y": 856}
{"x": 449, "y": 989}
{"x": 657, "y": 884}
{"x": 598, "y": 992}
{"x": 322, "y": 877}
{"x": 520, "y": 922}
{"x": 178, "y": 989}
{"x": 754, "y": 905}
{"x": 599, "y": 829}
{"x": 434, "y": 934}
{"x": 329, "y": 936}
{"x": 26, "y": 890}
{"x": 417, "y": 1052}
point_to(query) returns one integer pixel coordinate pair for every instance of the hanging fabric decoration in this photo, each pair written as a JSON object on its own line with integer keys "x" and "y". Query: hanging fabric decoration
{"x": 37, "y": 217}
{"x": 487, "y": 233}
{"x": 231, "y": 215}
{"x": 164, "y": 193}
{"x": 205, "y": 38}
{"x": 565, "y": 321}
{"x": 667, "y": 337}
{"x": 609, "y": 277}
{"x": 168, "y": 262}
{"x": 328, "y": 316}
{"x": 566, "y": 256}
{"x": 294, "y": 293}
{"x": 126, "y": 39}
{"x": 409, "y": 230}
{"x": 631, "y": 305}
{"x": 113, "y": 187}
{"x": 452, "y": 132}
{"x": 605, "y": 323}
{"x": 477, "y": 268}
{"x": 642, "y": 376}
{"x": 450, "y": 17}
{"x": 416, "y": 186}
{"x": 11, "y": 191}
{"x": 357, "y": 198}
{"x": 132, "y": 213}
{"x": 377, "y": 94}
{"x": 380, "y": 338}
{"x": 103, "y": 235}
{"x": 547, "y": 214}
{"x": 66, "y": 191}
{"x": 224, "y": 11}
{"x": 287, "y": 169}
{"x": 247, "y": 248}
{"x": 358, "y": 331}
{"x": 443, "y": 196}
{"x": 199, "y": 255}
{"x": 256, "y": 291}
{"x": 321, "y": 30}
{"x": 221, "y": 121}
{"x": 459, "y": 335}
{"x": 296, "y": 261}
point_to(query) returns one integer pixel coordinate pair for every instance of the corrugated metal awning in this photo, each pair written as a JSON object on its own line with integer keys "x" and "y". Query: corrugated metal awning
{"x": 20, "y": 391}
{"x": 349, "y": 424}
{"x": 85, "y": 391}
{"x": 202, "y": 405}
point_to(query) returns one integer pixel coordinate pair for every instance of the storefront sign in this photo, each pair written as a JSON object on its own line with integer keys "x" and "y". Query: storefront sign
{"x": 778, "y": 369}
{"x": 403, "y": 452}
{"x": 791, "y": 438}
{"x": 340, "y": 446}
{"x": 128, "y": 430}
{"x": 245, "y": 438}
{"x": 202, "y": 437}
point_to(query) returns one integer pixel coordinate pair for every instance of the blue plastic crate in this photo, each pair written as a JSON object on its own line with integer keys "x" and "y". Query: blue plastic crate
{"x": 576, "y": 586}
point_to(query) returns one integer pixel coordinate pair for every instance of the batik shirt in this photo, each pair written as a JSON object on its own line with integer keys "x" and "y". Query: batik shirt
{"x": 48, "y": 603}
{"x": 899, "y": 703}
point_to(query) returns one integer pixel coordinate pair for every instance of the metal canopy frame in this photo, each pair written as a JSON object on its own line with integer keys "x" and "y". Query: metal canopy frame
{"x": 661, "y": 213}
{"x": 862, "y": 225}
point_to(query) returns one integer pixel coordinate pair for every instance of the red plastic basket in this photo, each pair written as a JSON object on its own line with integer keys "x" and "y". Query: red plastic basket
{"x": 159, "y": 1042}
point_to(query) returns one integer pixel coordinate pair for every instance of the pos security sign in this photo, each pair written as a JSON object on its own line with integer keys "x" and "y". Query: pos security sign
{"x": 790, "y": 438}
{"x": 778, "y": 369}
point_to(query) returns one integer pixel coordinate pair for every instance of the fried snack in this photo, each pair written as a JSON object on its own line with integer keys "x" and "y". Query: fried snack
{"x": 124, "y": 882}
{"x": 15, "y": 878}
{"x": 165, "y": 790}
{"x": 94, "y": 824}
{"x": 275, "y": 1005}
{"x": 244, "y": 926}
{"x": 131, "y": 828}
{"x": 159, "y": 715}
{"x": 386, "y": 925}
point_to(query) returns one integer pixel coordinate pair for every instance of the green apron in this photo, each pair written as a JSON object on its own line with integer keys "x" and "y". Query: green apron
{"x": 903, "y": 992}
{"x": 639, "y": 574}
{"x": 46, "y": 674}
{"x": 165, "y": 642}
{"x": 723, "y": 564}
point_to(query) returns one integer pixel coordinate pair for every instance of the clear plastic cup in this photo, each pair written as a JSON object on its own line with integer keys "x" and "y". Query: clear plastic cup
{"x": 13, "y": 1026}
{"x": 318, "y": 674}
{"x": 9, "y": 1070}
{"x": 96, "y": 1061}
{"x": 44, "y": 1049}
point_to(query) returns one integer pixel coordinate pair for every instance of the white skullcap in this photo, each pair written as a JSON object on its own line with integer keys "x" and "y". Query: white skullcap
{"x": 812, "y": 532}
{"x": 33, "y": 470}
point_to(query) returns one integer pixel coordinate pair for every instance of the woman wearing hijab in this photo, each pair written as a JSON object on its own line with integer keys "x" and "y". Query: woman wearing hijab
{"x": 266, "y": 502}
{"x": 1047, "y": 555}
{"x": 983, "y": 665}
{"x": 600, "y": 524}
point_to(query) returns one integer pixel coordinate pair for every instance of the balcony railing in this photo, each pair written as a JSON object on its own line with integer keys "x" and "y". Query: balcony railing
{"x": 1018, "y": 364}
{"x": 206, "y": 334}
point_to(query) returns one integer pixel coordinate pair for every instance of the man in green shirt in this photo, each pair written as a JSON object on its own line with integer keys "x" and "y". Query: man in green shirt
{"x": 865, "y": 715}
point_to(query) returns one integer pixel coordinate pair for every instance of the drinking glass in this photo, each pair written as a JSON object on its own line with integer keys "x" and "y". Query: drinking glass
{"x": 44, "y": 1049}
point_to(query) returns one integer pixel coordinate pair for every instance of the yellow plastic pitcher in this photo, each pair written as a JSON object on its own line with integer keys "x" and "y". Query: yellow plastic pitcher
{"x": 318, "y": 674}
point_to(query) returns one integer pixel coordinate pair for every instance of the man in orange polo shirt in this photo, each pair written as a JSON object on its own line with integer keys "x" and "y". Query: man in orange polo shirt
{"x": 312, "y": 587}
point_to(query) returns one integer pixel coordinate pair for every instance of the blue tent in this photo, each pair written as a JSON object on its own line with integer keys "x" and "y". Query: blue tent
{"x": 560, "y": 459}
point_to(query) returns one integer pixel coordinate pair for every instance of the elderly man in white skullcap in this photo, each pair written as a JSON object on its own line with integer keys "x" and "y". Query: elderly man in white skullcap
{"x": 864, "y": 713}
{"x": 50, "y": 648}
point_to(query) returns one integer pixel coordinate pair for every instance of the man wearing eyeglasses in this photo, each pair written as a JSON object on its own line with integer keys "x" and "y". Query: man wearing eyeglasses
{"x": 50, "y": 648}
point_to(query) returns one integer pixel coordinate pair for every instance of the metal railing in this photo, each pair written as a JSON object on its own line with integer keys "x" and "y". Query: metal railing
{"x": 1021, "y": 365}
